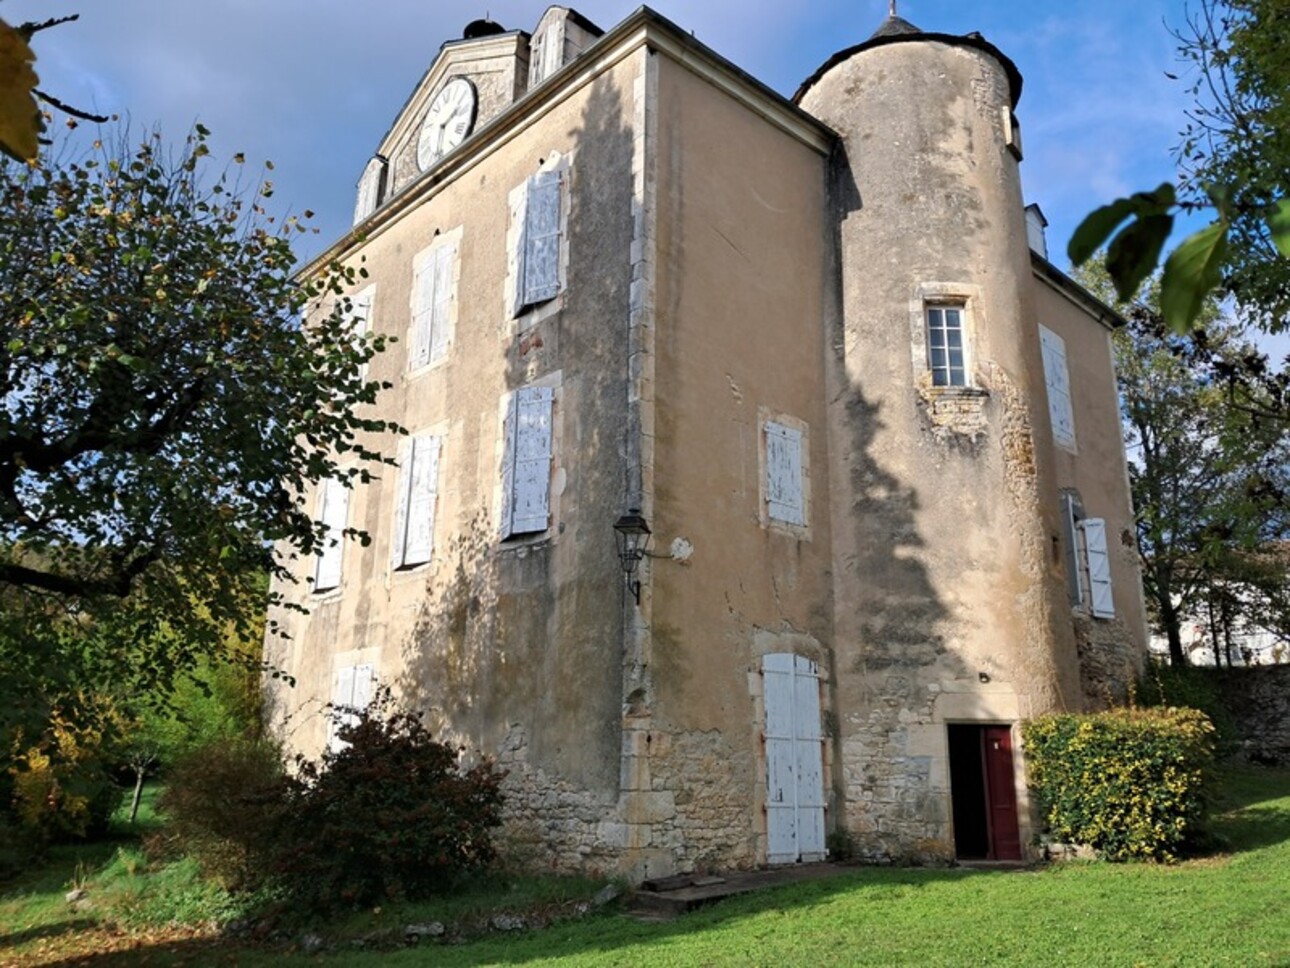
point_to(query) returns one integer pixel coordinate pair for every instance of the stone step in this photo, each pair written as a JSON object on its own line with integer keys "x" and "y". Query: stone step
{"x": 665, "y": 898}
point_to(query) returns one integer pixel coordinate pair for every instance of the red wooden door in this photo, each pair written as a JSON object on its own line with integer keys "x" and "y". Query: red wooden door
{"x": 1001, "y": 794}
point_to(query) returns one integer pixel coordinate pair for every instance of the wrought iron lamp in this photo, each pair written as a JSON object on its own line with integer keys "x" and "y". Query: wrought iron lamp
{"x": 633, "y": 536}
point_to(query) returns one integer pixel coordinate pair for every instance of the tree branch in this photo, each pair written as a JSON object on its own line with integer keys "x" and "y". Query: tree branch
{"x": 116, "y": 584}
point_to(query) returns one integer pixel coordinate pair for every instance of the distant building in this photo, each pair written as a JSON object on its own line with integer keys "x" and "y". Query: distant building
{"x": 873, "y": 432}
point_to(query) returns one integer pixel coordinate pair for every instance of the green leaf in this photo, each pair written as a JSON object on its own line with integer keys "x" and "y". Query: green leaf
{"x": 1135, "y": 252}
{"x": 1191, "y": 273}
{"x": 1098, "y": 225}
{"x": 1279, "y": 223}
{"x": 1096, "y": 229}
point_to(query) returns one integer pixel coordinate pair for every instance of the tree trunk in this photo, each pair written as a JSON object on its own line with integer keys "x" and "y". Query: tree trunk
{"x": 139, "y": 773}
{"x": 1169, "y": 619}
{"x": 1213, "y": 632}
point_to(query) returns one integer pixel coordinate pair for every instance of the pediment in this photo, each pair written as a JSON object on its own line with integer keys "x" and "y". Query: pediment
{"x": 497, "y": 67}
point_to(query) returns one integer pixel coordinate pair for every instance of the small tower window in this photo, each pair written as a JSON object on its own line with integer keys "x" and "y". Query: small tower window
{"x": 945, "y": 354}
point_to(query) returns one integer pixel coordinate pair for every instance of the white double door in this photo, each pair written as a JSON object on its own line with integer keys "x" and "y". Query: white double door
{"x": 794, "y": 759}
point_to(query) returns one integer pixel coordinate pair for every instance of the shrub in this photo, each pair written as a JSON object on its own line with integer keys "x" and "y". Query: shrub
{"x": 223, "y": 804}
{"x": 387, "y": 813}
{"x": 1129, "y": 783}
{"x": 61, "y": 779}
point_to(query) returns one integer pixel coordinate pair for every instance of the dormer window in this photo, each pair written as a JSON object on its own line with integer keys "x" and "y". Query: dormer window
{"x": 546, "y": 54}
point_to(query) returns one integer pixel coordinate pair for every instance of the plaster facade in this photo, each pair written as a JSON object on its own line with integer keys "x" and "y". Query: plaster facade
{"x": 739, "y": 348}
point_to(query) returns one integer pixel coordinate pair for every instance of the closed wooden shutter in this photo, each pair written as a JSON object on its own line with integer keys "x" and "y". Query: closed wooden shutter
{"x": 552, "y": 50}
{"x": 369, "y": 189}
{"x": 399, "y": 534}
{"x": 784, "y": 491}
{"x": 540, "y": 269}
{"x": 519, "y": 204}
{"x": 342, "y": 696}
{"x": 1057, "y": 381}
{"x": 351, "y": 694}
{"x": 526, "y": 461}
{"x": 441, "y": 318}
{"x": 362, "y": 695}
{"x": 360, "y": 320}
{"x": 532, "y": 476}
{"x": 509, "y": 402}
{"x": 422, "y": 496}
{"x": 423, "y": 298}
{"x": 1099, "y": 567}
{"x": 335, "y": 515}
{"x": 536, "y": 61}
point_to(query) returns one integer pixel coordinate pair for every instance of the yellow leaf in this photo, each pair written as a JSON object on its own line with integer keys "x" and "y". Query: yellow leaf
{"x": 20, "y": 122}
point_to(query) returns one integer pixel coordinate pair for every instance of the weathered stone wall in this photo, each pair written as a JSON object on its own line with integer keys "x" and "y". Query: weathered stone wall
{"x": 1110, "y": 658}
{"x": 689, "y": 795}
{"x": 549, "y": 823}
{"x": 1258, "y": 699}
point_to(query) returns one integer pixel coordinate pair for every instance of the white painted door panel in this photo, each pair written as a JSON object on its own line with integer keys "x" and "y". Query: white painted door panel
{"x": 794, "y": 760}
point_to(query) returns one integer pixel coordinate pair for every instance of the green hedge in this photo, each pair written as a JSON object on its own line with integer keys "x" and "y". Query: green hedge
{"x": 1130, "y": 783}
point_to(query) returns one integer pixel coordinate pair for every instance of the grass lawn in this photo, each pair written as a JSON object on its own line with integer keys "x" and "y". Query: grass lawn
{"x": 1229, "y": 909}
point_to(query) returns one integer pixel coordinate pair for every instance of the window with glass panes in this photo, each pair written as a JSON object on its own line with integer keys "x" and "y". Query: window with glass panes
{"x": 945, "y": 346}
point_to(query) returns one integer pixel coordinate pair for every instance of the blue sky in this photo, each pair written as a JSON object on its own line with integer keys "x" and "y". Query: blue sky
{"x": 313, "y": 84}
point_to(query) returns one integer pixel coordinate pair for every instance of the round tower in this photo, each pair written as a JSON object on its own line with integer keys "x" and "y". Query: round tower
{"x": 951, "y": 623}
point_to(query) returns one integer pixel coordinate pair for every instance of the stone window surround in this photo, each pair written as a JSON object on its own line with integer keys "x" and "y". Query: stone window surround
{"x": 441, "y": 238}
{"x": 764, "y": 416}
{"x": 530, "y": 317}
{"x": 962, "y": 295}
{"x": 442, "y": 430}
{"x": 521, "y": 542}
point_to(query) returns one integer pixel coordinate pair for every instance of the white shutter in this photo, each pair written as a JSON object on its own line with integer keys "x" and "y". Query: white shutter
{"x": 1099, "y": 567}
{"x": 399, "y": 536}
{"x": 360, "y": 319}
{"x": 536, "y": 61}
{"x": 422, "y": 495}
{"x": 423, "y": 295}
{"x": 509, "y": 402}
{"x": 440, "y": 331}
{"x": 1074, "y": 573}
{"x": 795, "y": 801}
{"x": 540, "y": 268}
{"x": 784, "y": 492}
{"x": 369, "y": 189}
{"x": 362, "y": 694}
{"x": 530, "y": 508}
{"x": 335, "y": 515}
{"x": 553, "y": 50}
{"x": 519, "y": 203}
{"x": 1057, "y": 382}
{"x": 342, "y": 696}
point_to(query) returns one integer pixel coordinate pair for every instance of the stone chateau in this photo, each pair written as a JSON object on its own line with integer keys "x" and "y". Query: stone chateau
{"x": 816, "y": 348}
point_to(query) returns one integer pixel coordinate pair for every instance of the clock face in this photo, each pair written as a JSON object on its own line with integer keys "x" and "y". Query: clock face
{"x": 450, "y": 118}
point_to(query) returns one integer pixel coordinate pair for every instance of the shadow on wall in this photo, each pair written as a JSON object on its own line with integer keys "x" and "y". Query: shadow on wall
{"x": 528, "y": 633}
{"x": 891, "y": 626}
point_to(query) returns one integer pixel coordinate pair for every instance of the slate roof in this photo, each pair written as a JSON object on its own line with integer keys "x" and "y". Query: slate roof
{"x": 895, "y": 30}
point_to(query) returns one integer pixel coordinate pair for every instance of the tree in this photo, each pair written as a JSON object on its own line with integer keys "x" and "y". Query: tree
{"x": 218, "y": 702}
{"x": 165, "y": 416}
{"x": 1209, "y": 478}
{"x": 1234, "y": 160}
